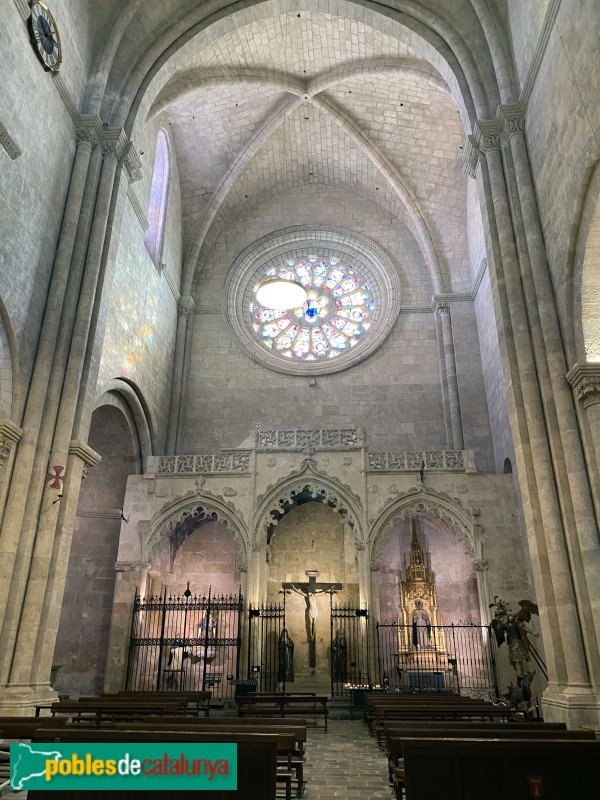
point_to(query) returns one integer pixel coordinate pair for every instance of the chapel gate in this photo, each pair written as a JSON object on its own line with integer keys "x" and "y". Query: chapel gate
{"x": 265, "y": 625}
{"x": 349, "y": 651}
{"x": 186, "y": 642}
{"x": 458, "y": 658}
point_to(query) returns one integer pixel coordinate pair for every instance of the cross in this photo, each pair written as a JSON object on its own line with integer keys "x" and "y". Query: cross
{"x": 54, "y": 479}
{"x": 310, "y": 589}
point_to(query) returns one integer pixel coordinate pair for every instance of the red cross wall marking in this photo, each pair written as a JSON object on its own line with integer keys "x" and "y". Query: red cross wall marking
{"x": 54, "y": 478}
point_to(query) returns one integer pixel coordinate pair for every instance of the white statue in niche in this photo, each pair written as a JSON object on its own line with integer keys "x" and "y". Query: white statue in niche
{"x": 421, "y": 627}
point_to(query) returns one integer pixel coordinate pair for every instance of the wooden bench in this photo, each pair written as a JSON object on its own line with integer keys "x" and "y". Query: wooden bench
{"x": 433, "y": 711}
{"x": 500, "y": 769}
{"x": 257, "y": 762}
{"x": 200, "y": 701}
{"x": 100, "y": 712}
{"x": 283, "y": 705}
{"x": 25, "y": 727}
{"x": 375, "y": 703}
{"x": 396, "y": 742}
{"x": 290, "y": 748}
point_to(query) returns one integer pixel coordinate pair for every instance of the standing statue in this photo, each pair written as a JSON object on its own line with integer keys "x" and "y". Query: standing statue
{"x": 339, "y": 648}
{"x": 421, "y": 627}
{"x": 286, "y": 658}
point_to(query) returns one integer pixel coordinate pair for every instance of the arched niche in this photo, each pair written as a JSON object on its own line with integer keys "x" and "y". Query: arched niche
{"x": 306, "y": 485}
{"x": 9, "y": 369}
{"x": 455, "y": 582}
{"x": 207, "y": 558}
{"x": 86, "y": 611}
{"x": 587, "y": 276}
{"x": 214, "y": 518}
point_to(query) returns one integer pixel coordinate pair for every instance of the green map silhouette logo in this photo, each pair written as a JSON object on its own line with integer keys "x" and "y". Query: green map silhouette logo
{"x": 26, "y": 762}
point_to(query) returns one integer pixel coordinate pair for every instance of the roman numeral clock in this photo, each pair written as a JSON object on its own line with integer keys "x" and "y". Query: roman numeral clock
{"x": 45, "y": 37}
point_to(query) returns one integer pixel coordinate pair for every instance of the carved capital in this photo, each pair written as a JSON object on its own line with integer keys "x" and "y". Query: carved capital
{"x": 89, "y": 130}
{"x": 9, "y": 435}
{"x": 130, "y": 566}
{"x": 488, "y": 136}
{"x": 480, "y": 565}
{"x": 511, "y": 119}
{"x": 85, "y": 453}
{"x": 185, "y": 307}
{"x": 115, "y": 144}
{"x": 442, "y": 308}
{"x": 359, "y": 545}
{"x": 585, "y": 382}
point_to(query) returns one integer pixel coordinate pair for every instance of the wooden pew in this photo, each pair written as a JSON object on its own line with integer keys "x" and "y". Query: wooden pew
{"x": 282, "y": 705}
{"x": 406, "y": 701}
{"x": 290, "y": 747}
{"x": 433, "y": 711}
{"x": 201, "y": 700}
{"x": 25, "y": 727}
{"x": 257, "y": 762}
{"x": 396, "y": 742}
{"x": 103, "y": 711}
{"x": 500, "y": 769}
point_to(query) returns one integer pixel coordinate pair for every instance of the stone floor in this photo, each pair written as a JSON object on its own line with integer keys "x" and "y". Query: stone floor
{"x": 345, "y": 762}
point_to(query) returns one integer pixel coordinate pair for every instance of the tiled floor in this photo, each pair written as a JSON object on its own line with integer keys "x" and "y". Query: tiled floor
{"x": 345, "y": 762}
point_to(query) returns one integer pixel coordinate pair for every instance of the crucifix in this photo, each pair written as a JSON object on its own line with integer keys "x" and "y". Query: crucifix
{"x": 309, "y": 591}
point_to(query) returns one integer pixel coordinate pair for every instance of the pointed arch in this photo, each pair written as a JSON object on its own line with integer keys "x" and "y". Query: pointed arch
{"x": 178, "y": 518}
{"x": 309, "y": 484}
{"x": 454, "y": 518}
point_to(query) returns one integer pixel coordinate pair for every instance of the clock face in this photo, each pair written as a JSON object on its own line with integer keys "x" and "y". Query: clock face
{"x": 45, "y": 35}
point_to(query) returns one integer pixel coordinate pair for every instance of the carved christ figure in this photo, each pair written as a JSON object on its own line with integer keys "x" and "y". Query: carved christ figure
{"x": 311, "y": 607}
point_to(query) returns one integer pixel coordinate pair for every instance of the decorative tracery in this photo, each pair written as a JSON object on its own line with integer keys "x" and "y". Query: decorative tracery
{"x": 334, "y": 316}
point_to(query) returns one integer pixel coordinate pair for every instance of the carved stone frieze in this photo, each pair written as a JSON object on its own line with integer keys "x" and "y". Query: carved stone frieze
{"x": 585, "y": 382}
{"x": 324, "y": 439}
{"x": 195, "y": 464}
{"x": 411, "y": 461}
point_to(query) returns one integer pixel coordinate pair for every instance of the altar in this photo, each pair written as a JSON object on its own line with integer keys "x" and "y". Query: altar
{"x": 422, "y": 659}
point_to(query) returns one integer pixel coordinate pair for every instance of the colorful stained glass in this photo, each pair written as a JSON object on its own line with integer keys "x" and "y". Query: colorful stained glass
{"x": 331, "y": 320}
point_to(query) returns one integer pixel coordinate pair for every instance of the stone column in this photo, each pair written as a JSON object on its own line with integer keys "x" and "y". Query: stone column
{"x": 131, "y": 575}
{"x": 10, "y": 435}
{"x": 364, "y": 577}
{"x": 27, "y": 482}
{"x": 185, "y": 311}
{"x": 443, "y": 311}
{"x": 551, "y": 565}
{"x": 579, "y": 519}
{"x": 484, "y": 594}
{"x": 585, "y": 383}
{"x": 374, "y": 619}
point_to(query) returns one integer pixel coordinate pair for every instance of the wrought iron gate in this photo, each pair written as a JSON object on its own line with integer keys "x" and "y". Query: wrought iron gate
{"x": 447, "y": 658}
{"x": 185, "y": 642}
{"x": 265, "y": 625}
{"x": 349, "y": 653}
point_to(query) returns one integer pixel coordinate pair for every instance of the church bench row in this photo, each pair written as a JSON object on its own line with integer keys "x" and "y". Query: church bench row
{"x": 200, "y": 700}
{"x": 25, "y": 727}
{"x": 100, "y": 712}
{"x": 500, "y": 769}
{"x": 395, "y": 741}
{"x": 256, "y": 759}
{"x": 432, "y": 711}
{"x": 290, "y": 751}
{"x": 284, "y": 705}
{"x": 397, "y": 700}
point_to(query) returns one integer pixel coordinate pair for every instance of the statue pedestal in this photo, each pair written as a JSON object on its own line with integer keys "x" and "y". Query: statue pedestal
{"x": 423, "y": 668}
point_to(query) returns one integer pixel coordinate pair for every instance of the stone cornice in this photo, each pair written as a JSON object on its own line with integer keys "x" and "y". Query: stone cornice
{"x": 585, "y": 382}
{"x": 10, "y": 434}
